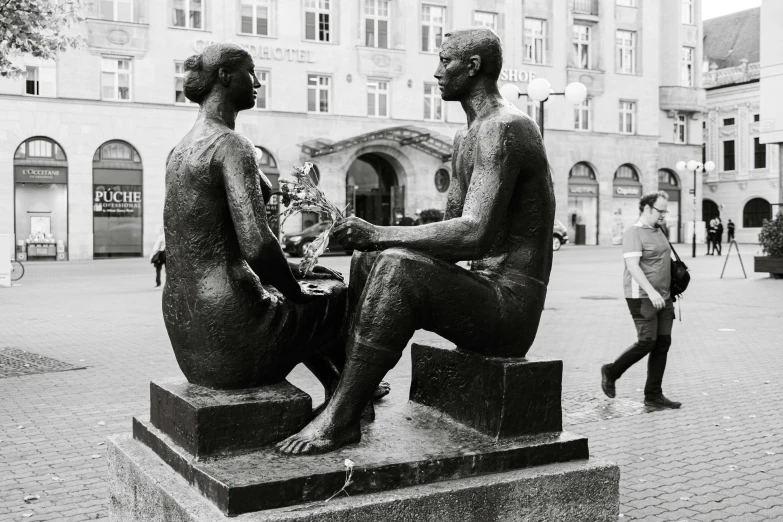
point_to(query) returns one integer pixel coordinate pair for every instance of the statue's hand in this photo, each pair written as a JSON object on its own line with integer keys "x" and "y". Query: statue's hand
{"x": 356, "y": 233}
{"x": 322, "y": 272}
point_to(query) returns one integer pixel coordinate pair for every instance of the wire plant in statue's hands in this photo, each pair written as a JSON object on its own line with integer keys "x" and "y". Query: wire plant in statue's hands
{"x": 301, "y": 194}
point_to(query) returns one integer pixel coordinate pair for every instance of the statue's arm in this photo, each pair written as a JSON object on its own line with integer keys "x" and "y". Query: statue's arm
{"x": 457, "y": 187}
{"x": 496, "y": 163}
{"x": 256, "y": 240}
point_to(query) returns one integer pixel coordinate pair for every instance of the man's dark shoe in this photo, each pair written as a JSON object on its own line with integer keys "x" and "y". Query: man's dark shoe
{"x": 661, "y": 401}
{"x": 607, "y": 383}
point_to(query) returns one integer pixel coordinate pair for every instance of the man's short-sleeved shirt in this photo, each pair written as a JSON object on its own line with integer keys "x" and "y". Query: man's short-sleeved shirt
{"x": 650, "y": 246}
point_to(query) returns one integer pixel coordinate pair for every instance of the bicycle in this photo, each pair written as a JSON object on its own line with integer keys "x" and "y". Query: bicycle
{"x": 17, "y": 270}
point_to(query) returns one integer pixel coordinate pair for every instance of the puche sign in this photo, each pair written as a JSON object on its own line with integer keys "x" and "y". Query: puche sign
{"x": 117, "y": 201}
{"x": 267, "y": 52}
{"x": 27, "y": 174}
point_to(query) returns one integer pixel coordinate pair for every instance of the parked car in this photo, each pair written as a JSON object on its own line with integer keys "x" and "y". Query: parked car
{"x": 295, "y": 244}
{"x": 559, "y": 235}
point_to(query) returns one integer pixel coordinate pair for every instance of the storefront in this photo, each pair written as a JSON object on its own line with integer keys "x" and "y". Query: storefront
{"x": 626, "y": 191}
{"x": 117, "y": 201}
{"x": 41, "y": 200}
{"x": 583, "y": 205}
{"x": 670, "y": 183}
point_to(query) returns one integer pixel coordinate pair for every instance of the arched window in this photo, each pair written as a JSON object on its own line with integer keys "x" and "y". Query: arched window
{"x": 709, "y": 210}
{"x": 626, "y": 172}
{"x": 581, "y": 170}
{"x": 39, "y": 148}
{"x": 755, "y": 212}
{"x": 267, "y": 160}
{"x": 667, "y": 179}
{"x": 116, "y": 151}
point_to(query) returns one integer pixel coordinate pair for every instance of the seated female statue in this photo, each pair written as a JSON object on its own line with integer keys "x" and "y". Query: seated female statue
{"x": 236, "y": 314}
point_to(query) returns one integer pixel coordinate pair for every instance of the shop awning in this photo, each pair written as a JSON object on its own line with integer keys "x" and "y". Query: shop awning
{"x": 419, "y": 138}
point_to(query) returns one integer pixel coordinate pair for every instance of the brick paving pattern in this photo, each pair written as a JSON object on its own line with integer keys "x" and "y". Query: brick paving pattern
{"x": 718, "y": 458}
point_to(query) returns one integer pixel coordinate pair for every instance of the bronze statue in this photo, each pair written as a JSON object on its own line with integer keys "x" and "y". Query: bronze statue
{"x": 236, "y": 314}
{"x": 499, "y": 214}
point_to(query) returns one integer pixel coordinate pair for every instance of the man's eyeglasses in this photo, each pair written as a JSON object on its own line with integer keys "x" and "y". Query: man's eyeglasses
{"x": 662, "y": 212}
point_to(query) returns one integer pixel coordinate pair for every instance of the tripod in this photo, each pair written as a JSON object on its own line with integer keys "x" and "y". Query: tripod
{"x": 733, "y": 243}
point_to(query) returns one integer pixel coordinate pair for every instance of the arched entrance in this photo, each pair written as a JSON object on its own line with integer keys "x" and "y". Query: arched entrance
{"x": 583, "y": 205}
{"x": 709, "y": 210}
{"x": 372, "y": 189}
{"x": 625, "y": 200}
{"x": 118, "y": 209}
{"x": 670, "y": 183}
{"x": 40, "y": 200}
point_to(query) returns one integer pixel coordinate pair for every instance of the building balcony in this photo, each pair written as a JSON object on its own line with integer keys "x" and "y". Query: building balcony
{"x": 745, "y": 72}
{"x": 585, "y": 7}
{"x": 120, "y": 37}
{"x": 682, "y": 99}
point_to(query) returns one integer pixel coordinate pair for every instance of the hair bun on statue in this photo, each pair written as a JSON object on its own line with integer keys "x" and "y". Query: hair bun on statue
{"x": 201, "y": 69}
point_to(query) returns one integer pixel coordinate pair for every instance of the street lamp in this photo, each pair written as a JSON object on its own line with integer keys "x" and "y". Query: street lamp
{"x": 539, "y": 90}
{"x": 696, "y": 167}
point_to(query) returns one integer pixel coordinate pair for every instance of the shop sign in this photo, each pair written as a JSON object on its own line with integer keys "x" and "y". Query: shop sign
{"x": 517, "y": 75}
{"x": 583, "y": 189}
{"x": 40, "y": 175}
{"x": 116, "y": 201}
{"x": 267, "y": 52}
{"x": 627, "y": 191}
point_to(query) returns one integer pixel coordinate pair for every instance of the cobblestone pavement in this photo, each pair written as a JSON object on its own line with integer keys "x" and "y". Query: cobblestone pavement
{"x": 718, "y": 458}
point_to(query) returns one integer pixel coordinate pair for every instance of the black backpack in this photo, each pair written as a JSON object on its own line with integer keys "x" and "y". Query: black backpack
{"x": 680, "y": 275}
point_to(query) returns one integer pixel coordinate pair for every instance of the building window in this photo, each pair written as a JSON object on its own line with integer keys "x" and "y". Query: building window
{"x": 686, "y": 63}
{"x": 32, "y": 86}
{"x": 179, "y": 83}
{"x": 756, "y": 117}
{"x": 433, "y": 104}
{"x": 117, "y": 10}
{"x": 680, "y": 129}
{"x": 728, "y": 155}
{"x": 626, "y": 52}
{"x": 535, "y": 40}
{"x": 687, "y": 11}
{"x": 755, "y": 212}
{"x": 533, "y": 110}
{"x": 187, "y": 13}
{"x": 728, "y": 121}
{"x": 485, "y": 19}
{"x": 583, "y": 115}
{"x": 628, "y": 117}
{"x": 318, "y": 93}
{"x": 115, "y": 79}
{"x": 318, "y": 15}
{"x": 378, "y": 98}
{"x": 376, "y": 23}
{"x": 254, "y": 17}
{"x": 759, "y": 154}
{"x": 262, "y": 93}
{"x": 433, "y": 20}
{"x": 581, "y": 40}
{"x": 627, "y": 3}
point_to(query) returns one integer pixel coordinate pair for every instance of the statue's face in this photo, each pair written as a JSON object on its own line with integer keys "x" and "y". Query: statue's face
{"x": 244, "y": 83}
{"x": 453, "y": 73}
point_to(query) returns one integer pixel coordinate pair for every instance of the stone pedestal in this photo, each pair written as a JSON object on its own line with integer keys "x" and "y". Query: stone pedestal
{"x": 480, "y": 439}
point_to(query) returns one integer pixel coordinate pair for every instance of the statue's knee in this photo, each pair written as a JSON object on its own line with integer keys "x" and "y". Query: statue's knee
{"x": 663, "y": 343}
{"x": 397, "y": 256}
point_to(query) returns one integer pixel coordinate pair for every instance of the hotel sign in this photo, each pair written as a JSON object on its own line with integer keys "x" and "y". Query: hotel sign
{"x": 517, "y": 75}
{"x": 40, "y": 174}
{"x": 267, "y": 52}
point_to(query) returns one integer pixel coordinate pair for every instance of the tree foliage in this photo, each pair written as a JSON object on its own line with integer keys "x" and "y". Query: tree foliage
{"x": 771, "y": 236}
{"x": 36, "y": 27}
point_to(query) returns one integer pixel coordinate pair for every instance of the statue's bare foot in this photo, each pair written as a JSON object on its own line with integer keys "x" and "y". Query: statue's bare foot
{"x": 320, "y": 436}
{"x": 381, "y": 391}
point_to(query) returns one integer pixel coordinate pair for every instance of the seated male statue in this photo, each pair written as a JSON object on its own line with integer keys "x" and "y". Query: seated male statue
{"x": 499, "y": 214}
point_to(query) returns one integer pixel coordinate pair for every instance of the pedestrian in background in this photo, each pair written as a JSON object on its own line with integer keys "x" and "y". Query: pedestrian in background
{"x": 158, "y": 257}
{"x": 710, "y": 237}
{"x": 718, "y": 237}
{"x": 646, "y": 282}
{"x": 730, "y": 229}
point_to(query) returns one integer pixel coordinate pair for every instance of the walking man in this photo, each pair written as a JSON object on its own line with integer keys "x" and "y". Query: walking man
{"x": 646, "y": 281}
{"x": 730, "y": 228}
{"x": 718, "y": 239}
{"x": 158, "y": 256}
{"x": 711, "y": 237}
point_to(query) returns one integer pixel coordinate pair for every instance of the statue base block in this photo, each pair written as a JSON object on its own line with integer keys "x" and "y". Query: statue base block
{"x": 143, "y": 488}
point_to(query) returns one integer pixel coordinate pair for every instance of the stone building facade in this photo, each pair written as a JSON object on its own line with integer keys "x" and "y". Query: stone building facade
{"x": 348, "y": 86}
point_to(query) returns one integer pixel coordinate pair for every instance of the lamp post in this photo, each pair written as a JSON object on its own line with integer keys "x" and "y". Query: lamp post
{"x": 696, "y": 167}
{"x": 539, "y": 90}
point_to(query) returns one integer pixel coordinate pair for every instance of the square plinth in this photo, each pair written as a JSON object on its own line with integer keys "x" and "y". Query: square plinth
{"x": 407, "y": 445}
{"x": 206, "y": 422}
{"x": 142, "y": 488}
{"x": 499, "y": 396}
